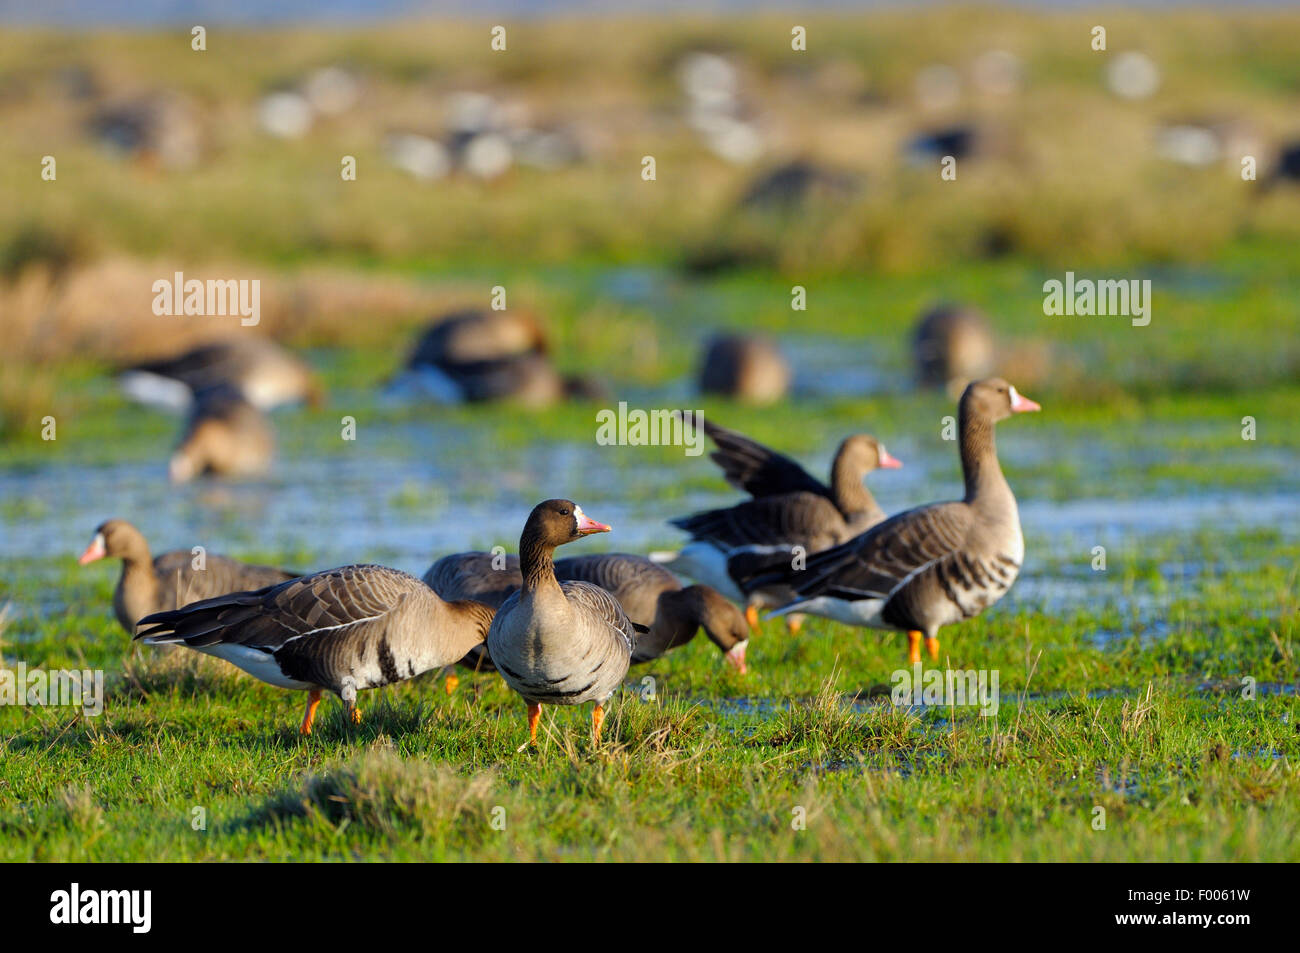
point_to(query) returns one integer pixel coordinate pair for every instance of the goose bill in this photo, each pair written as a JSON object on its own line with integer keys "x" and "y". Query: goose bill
{"x": 1020, "y": 403}
{"x": 96, "y": 550}
{"x": 587, "y": 525}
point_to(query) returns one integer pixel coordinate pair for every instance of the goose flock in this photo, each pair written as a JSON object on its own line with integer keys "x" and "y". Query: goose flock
{"x": 566, "y": 631}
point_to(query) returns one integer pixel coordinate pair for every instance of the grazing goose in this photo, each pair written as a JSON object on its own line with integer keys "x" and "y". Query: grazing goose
{"x": 745, "y": 367}
{"x": 484, "y": 577}
{"x": 225, "y": 436}
{"x": 264, "y": 373}
{"x": 559, "y": 643}
{"x": 790, "y": 507}
{"x": 341, "y": 630}
{"x": 931, "y": 566}
{"x": 474, "y": 356}
{"x": 951, "y": 347}
{"x": 653, "y": 599}
{"x": 170, "y": 581}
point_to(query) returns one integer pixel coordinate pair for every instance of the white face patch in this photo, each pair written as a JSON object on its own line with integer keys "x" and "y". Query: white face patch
{"x": 1015, "y": 397}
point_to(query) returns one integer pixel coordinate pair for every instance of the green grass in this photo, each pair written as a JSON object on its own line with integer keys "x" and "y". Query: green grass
{"x": 1154, "y": 730}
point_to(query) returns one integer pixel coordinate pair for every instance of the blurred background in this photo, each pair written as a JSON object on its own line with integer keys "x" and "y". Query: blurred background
{"x": 523, "y": 169}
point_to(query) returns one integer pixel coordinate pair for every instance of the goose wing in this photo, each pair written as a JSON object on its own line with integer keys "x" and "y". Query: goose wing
{"x": 756, "y": 469}
{"x": 595, "y": 603}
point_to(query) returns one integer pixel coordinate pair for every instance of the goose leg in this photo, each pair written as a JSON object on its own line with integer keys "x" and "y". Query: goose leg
{"x": 597, "y": 719}
{"x": 534, "y": 715}
{"x": 932, "y": 646}
{"x": 450, "y": 681}
{"x": 313, "y": 699}
{"x": 355, "y": 713}
{"x": 349, "y": 696}
{"x": 914, "y": 647}
{"x": 751, "y": 616}
{"x": 794, "y": 622}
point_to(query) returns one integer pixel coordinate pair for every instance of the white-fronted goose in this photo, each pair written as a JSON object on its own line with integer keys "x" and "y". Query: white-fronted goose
{"x": 484, "y": 577}
{"x": 952, "y": 346}
{"x": 790, "y": 508}
{"x": 265, "y": 374}
{"x": 745, "y": 367}
{"x": 225, "y": 436}
{"x": 342, "y": 630}
{"x": 930, "y": 566}
{"x": 559, "y": 643}
{"x": 170, "y": 581}
{"x": 477, "y": 355}
{"x": 652, "y": 598}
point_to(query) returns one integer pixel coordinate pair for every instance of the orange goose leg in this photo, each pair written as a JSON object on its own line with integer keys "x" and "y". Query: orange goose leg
{"x": 450, "y": 682}
{"x": 914, "y": 647}
{"x": 355, "y": 713}
{"x": 313, "y": 699}
{"x": 534, "y": 715}
{"x": 751, "y": 616}
{"x": 597, "y": 719}
{"x": 932, "y": 646}
{"x": 794, "y": 623}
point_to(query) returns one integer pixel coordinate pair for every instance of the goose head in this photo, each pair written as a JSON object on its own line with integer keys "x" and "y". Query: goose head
{"x": 722, "y": 622}
{"x": 556, "y": 522}
{"x": 114, "y": 538}
{"x": 864, "y": 453}
{"x": 994, "y": 399}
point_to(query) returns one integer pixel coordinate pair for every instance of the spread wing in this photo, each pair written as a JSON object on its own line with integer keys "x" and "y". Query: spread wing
{"x": 806, "y": 519}
{"x": 759, "y": 470}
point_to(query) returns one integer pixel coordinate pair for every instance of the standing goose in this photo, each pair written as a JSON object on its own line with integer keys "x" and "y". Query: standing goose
{"x": 653, "y": 599}
{"x": 341, "y": 630}
{"x": 225, "y": 436}
{"x": 930, "y": 566}
{"x": 170, "y": 581}
{"x": 790, "y": 507}
{"x": 559, "y": 643}
{"x": 262, "y": 372}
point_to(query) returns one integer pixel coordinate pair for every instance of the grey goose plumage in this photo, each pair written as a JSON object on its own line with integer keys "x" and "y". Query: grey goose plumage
{"x": 170, "y": 581}
{"x": 341, "y": 630}
{"x": 261, "y": 371}
{"x": 559, "y": 643}
{"x": 225, "y": 436}
{"x": 789, "y": 507}
{"x": 931, "y": 566}
{"x": 653, "y": 599}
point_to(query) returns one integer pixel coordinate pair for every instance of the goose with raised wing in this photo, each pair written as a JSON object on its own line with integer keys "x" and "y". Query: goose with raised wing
{"x": 927, "y": 567}
{"x": 559, "y": 643}
{"x": 789, "y": 508}
{"x": 341, "y": 630}
{"x": 172, "y": 580}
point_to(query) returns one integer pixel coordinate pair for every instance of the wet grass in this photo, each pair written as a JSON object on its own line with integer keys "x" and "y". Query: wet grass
{"x": 1188, "y": 741}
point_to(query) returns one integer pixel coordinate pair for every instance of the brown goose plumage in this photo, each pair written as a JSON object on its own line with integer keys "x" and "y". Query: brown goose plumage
{"x": 951, "y": 347}
{"x": 170, "y": 581}
{"x": 226, "y": 436}
{"x": 653, "y": 599}
{"x": 342, "y": 630}
{"x": 262, "y": 372}
{"x": 930, "y": 566}
{"x": 746, "y": 367}
{"x": 484, "y": 577}
{"x": 559, "y": 643}
{"x": 790, "y": 507}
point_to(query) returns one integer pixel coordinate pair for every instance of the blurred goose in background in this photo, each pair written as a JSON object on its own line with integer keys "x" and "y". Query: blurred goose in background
{"x": 559, "y": 643}
{"x": 226, "y": 436}
{"x": 789, "y": 507}
{"x": 482, "y": 355}
{"x": 744, "y": 367}
{"x": 653, "y": 599}
{"x": 930, "y": 566}
{"x": 951, "y": 347}
{"x": 170, "y": 581}
{"x": 262, "y": 372}
{"x": 158, "y": 130}
{"x": 342, "y": 630}
{"x": 794, "y": 185}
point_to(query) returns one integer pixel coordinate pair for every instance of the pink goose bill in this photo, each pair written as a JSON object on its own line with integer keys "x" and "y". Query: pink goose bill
{"x": 587, "y": 525}
{"x": 1020, "y": 403}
